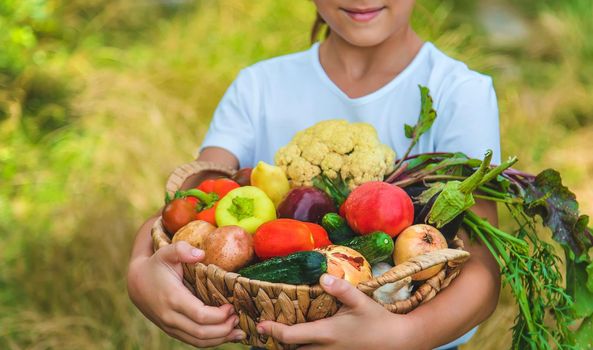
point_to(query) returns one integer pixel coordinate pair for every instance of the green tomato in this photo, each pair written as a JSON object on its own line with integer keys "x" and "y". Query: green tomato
{"x": 247, "y": 207}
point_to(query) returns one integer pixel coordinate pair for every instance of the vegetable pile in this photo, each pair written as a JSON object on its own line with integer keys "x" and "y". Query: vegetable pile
{"x": 338, "y": 202}
{"x": 268, "y": 230}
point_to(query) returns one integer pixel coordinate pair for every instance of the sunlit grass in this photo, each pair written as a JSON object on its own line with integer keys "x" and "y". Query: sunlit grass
{"x": 134, "y": 107}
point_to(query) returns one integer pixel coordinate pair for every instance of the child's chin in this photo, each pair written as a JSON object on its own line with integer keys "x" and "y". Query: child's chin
{"x": 365, "y": 37}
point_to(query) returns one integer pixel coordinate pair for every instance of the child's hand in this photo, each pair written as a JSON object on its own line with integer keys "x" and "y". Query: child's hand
{"x": 361, "y": 323}
{"x": 155, "y": 286}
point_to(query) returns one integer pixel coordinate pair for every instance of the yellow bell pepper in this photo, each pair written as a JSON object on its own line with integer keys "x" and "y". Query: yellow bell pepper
{"x": 272, "y": 180}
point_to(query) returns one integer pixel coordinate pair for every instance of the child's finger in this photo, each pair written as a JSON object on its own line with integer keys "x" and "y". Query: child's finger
{"x": 205, "y": 343}
{"x": 180, "y": 252}
{"x": 204, "y": 332}
{"x": 343, "y": 290}
{"x": 302, "y": 333}
{"x": 187, "y": 304}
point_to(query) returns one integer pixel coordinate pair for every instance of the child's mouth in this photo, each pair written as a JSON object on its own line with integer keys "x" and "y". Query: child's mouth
{"x": 363, "y": 15}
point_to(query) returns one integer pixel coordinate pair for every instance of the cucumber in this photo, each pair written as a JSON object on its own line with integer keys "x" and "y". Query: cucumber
{"x": 297, "y": 268}
{"x": 337, "y": 228}
{"x": 375, "y": 247}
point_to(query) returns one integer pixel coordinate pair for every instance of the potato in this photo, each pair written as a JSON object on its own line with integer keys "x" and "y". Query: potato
{"x": 229, "y": 247}
{"x": 194, "y": 233}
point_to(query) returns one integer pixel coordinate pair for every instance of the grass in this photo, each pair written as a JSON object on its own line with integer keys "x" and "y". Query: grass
{"x": 124, "y": 93}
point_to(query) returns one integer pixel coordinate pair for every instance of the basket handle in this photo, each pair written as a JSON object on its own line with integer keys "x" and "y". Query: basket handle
{"x": 412, "y": 266}
{"x": 204, "y": 169}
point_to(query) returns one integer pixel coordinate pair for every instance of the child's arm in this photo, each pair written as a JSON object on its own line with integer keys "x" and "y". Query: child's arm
{"x": 361, "y": 323}
{"x": 156, "y": 288}
{"x": 471, "y": 298}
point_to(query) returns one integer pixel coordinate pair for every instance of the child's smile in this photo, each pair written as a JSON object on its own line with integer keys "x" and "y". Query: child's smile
{"x": 363, "y": 14}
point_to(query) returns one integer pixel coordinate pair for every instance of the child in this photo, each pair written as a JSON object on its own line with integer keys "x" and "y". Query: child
{"x": 367, "y": 69}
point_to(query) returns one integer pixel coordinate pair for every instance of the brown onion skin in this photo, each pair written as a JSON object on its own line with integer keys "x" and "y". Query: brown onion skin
{"x": 306, "y": 204}
{"x": 243, "y": 176}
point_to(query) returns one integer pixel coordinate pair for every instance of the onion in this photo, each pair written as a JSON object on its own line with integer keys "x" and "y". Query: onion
{"x": 417, "y": 240}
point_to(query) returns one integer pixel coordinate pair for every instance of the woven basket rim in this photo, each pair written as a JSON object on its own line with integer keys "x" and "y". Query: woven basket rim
{"x": 160, "y": 238}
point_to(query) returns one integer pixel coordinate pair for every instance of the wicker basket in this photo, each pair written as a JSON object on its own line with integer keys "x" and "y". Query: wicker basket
{"x": 256, "y": 301}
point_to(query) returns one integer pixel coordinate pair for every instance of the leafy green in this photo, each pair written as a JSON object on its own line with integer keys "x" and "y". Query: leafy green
{"x": 547, "y": 197}
{"x": 589, "y": 283}
{"x": 577, "y": 287}
{"x": 584, "y": 336}
{"x": 528, "y": 264}
{"x": 532, "y": 272}
{"x": 427, "y": 116}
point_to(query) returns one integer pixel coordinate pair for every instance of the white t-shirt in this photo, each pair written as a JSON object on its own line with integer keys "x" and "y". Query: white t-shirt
{"x": 273, "y": 99}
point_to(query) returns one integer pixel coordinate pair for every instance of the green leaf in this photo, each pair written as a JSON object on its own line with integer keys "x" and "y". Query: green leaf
{"x": 409, "y": 131}
{"x": 589, "y": 270}
{"x": 426, "y": 118}
{"x": 584, "y": 335}
{"x": 576, "y": 286}
{"x": 556, "y": 204}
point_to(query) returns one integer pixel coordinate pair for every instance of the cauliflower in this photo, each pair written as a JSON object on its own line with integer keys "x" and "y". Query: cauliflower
{"x": 336, "y": 148}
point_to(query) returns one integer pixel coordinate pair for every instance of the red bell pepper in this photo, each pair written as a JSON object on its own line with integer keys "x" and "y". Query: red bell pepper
{"x": 204, "y": 198}
{"x": 320, "y": 236}
{"x": 220, "y": 186}
{"x": 282, "y": 237}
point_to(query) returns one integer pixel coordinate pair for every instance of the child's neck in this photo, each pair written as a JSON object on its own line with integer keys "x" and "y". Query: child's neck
{"x": 359, "y": 71}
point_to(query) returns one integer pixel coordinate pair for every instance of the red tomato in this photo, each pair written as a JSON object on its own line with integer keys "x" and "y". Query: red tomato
{"x": 320, "y": 237}
{"x": 220, "y": 186}
{"x": 282, "y": 237}
{"x": 192, "y": 200}
{"x": 177, "y": 214}
{"x": 378, "y": 206}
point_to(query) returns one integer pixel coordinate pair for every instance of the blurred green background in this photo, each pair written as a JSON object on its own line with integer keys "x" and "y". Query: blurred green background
{"x": 101, "y": 99}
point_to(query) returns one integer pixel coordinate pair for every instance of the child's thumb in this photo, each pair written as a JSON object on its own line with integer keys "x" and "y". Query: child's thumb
{"x": 180, "y": 252}
{"x": 342, "y": 290}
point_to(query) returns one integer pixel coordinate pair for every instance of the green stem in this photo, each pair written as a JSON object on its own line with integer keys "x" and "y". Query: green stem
{"x": 498, "y": 170}
{"x": 207, "y": 199}
{"x": 426, "y": 178}
{"x": 492, "y": 192}
{"x": 483, "y": 238}
{"x": 500, "y": 200}
{"x": 485, "y": 224}
{"x": 442, "y": 177}
{"x": 517, "y": 288}
{"x": 471, "y": 183}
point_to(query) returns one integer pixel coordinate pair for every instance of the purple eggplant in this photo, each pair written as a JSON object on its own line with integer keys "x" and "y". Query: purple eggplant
{"x": 306, "y": 204}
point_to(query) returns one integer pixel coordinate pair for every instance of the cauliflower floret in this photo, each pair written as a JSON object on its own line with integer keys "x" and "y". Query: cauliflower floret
{"x": 331, "y": 164}
{"x": 338, "y": 135}
{"x": 365, "y": 165}
{"x": 301, "y": 173}
{"x": 335, "y": 147}
{"x": 389, "y": 158}
{"x": 287, "y": 154}
{"x": 366, "y": 136}
{"x": 314, "y": 152}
